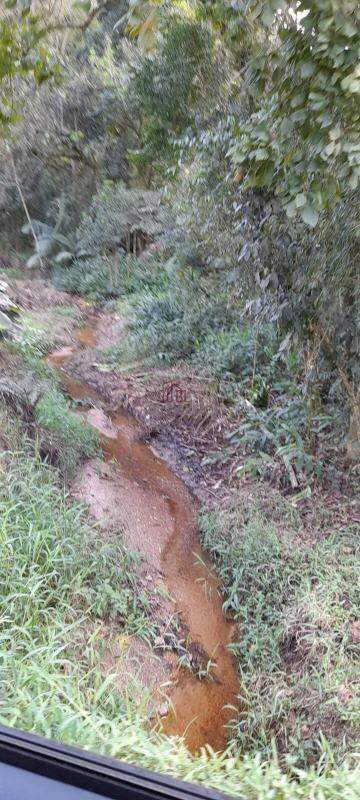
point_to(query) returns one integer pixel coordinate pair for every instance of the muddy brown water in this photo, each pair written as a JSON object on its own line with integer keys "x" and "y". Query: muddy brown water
{"x": 200, "y": 709}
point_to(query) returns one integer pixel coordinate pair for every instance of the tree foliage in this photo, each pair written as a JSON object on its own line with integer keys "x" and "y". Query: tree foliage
{"x": 25, "y": 28}
{"x": 182, "y": 78}
{"x": 303, "y": 138}
{"x": 239, "y": 113}
{"x": 302, "y": 79}
{"x": 22, "y": 53}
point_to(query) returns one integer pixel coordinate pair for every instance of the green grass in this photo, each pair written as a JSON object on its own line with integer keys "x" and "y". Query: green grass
{"x": 32, "y": 341}
{"x": 55, "y": 577}
{"x": 9, "y": 273}
{"x": 68, "y": 311}
{"x": 296, "y": 604}
{"x": 167, "y": 325}
{"x": 60, "y": 582}
{"x": 54, "y": 568}
{"x": 72, "y": 436}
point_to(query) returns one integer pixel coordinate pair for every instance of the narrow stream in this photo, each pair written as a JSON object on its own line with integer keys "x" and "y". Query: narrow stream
{"x": 200, "y": 709}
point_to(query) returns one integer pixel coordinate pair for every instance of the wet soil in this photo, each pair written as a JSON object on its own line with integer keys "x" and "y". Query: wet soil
{"x": 185, "y": 434}
{"x": 159, "y": 518}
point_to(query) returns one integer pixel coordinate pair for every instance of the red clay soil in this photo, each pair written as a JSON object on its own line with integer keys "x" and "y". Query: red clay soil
{"x": 136, "y": 492}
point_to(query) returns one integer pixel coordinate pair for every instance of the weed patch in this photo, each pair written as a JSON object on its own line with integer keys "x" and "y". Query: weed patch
{"x": 55, "y": 577}
{"x": 41, "y": 332}
{"x": 168, "y": 325}
{"x": 69, "y": 435}
{"x": 73, "y": 437}
{"x": 282, "y": 431}
{"x": 298, "y": 650}
{"x": 103, "y": 276}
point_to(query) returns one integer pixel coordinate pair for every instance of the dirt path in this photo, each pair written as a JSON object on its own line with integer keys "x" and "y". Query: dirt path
{"x": 136, "y": 491}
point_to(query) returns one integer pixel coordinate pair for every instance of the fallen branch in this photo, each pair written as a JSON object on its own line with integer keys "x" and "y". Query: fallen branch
{"x": 78, "y": 26}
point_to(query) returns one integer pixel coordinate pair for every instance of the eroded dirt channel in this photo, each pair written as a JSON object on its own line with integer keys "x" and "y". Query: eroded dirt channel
{"x": 159, "y": 517}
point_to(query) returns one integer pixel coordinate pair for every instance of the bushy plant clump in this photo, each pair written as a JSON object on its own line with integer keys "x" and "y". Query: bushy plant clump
{"x": 105, "y": 277}
{"x": 169, "y": 323}
{"x": 97, "y": 278}
{"x": 245, "y": 354}
{"x": 67, "y": 434}
{"x": 163, "y": 328}
{"x": 298, "y": 609}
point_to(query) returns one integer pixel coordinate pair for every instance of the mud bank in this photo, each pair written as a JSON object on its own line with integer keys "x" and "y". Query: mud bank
{"x": 159, "y": 519}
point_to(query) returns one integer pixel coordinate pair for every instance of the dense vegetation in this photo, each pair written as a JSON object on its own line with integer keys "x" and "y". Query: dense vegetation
{"x": 195, "y": 167}
{"x": 299, "y": 647}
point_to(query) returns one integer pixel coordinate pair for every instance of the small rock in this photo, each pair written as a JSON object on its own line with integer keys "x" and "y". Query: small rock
{"x": 5, "y": 323}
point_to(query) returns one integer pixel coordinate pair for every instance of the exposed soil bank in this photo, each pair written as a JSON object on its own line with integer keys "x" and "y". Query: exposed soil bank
{"x": 160, "y": 520}
{"x": 186, "y": 434}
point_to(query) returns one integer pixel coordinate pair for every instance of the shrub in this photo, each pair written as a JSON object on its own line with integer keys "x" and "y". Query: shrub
{"x": 98, "y": 277}
{"x": 117, "y": 217}
{"x": 105, "y": 277}
{"x": 245, "y": 353}
{"x": 165, "y": 326}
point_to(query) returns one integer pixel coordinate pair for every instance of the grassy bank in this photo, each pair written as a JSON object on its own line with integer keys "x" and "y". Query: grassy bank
{"x": 293, "y": 588}
{"x": 297, "y": 602}
{"x": 59, "y": 587}
{"x": 62, "y": 434}
{"x": 61, "y": 583}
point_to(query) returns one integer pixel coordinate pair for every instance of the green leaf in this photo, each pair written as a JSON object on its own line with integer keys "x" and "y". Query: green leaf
{"x": 298, "y": 100}
{"x": 354, "y": 180}
{"x": 329, "y": 149}
{"x": 290, "y": 209}
{"x": 300, "y": 200}
{"x": 335, "y": 133}
{"x": 25, "y": 7}
{"x": 349, "y": 29}
{"x": 267, "y": 16}
{"x": 309, "y": 215}
{"x": 354, "y": 87}
{"x": 307, "y": 69}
